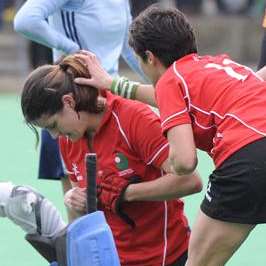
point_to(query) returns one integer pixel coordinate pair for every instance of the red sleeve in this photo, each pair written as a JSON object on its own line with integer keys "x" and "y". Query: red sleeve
{"x": 146, "y": 136}
{"x": 172, "y": 101}
{"x": 63, "y": 146}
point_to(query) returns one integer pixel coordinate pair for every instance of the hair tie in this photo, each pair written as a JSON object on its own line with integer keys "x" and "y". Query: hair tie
{"x": 63, "y": 67}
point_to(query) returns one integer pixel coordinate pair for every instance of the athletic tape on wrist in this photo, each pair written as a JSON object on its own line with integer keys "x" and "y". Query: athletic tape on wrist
{"x": 124, "y": 87}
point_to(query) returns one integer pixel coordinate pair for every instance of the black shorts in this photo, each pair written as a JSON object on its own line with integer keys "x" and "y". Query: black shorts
{"x": 181, "y": 261}
{"x": 237, "y": 189}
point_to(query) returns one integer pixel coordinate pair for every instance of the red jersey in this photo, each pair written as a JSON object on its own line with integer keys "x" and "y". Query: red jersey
{"x": 129, "y": 142}
{"x": 223, "y": 100}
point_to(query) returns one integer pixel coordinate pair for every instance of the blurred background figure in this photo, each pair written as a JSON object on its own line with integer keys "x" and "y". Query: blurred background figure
{"x": 262, "y": 59}
{"x": 137, "y": 6}
{"x": 236, "y": 6}
{"x": 6, "y": 11}
{"x": 2, "y": 7}
{"x": 217, "y": 6}
{"x": 39, "y": 54}
{"x": 190, "y": 6}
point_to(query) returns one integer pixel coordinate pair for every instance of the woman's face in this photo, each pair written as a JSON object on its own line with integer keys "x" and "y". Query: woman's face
{"x": 67, "y": 122}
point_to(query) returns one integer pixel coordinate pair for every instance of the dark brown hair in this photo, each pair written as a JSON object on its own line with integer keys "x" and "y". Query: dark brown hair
{"x": 45, "y": 86}
{"x": 164, "y": 31}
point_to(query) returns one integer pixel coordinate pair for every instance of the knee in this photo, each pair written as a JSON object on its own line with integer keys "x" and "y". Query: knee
{"x": 209, "y": 251}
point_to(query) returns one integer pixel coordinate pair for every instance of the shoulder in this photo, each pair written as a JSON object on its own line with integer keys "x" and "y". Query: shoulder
{"x": 130, "y": 110}
{"x": 127, "y": 112}
{"x": 169, "y": 82}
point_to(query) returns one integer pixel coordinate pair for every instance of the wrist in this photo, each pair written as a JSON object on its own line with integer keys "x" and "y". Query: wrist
{"x": 108, "y": 83}
{"x": 129, "y": 193}
{"x": 125, "y": 88}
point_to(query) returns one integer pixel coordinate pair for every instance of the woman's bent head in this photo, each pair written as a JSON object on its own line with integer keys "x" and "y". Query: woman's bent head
{"x": 47, "y": 86}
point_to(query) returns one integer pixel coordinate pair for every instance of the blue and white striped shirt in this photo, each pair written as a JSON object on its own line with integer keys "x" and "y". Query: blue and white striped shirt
{"x": 99, "y": 26}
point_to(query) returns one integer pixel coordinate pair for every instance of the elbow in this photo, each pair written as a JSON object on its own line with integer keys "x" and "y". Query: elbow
{"x": 22, "y": 24}
{"x": 193, "y": 184}
{"x": 183, "y": 165}
{"x": 18, "y": 24}
{"x": 197, "y": 185}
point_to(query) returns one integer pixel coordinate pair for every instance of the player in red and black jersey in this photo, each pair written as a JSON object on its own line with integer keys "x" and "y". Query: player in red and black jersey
{"x": 136, "y": 189}
{"x": 207, "y": 102}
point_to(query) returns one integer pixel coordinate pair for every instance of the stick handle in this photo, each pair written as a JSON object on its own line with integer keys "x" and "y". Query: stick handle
{"x": 91, "y": 164}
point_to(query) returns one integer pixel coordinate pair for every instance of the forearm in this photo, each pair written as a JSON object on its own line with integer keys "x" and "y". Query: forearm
{"x": 145, "y": 93}
{"x": 164, "y": 188}
{"x": 31, "y": 22}
{"x": 119, "y": 86}
{"x": 262, "y": 73}
{"x": 133, "y": 90}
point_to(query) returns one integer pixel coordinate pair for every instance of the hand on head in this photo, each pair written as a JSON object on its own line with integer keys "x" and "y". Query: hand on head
{"x": 99, "y": 77}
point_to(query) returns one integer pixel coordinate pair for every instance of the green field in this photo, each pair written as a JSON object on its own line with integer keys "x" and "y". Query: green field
{"x": 18, "y": 162}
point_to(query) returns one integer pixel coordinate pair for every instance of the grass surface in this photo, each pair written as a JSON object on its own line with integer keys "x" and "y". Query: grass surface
{"x": 18, "y": 162}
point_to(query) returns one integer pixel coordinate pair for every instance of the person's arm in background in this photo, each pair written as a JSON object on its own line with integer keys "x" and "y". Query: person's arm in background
{"x": 262, "y": 73}
{"x": 31, "y": 21}
{"x": 128, "y": 54}
{"x": 130, "y": 58}
{"x": 262, "y": 60}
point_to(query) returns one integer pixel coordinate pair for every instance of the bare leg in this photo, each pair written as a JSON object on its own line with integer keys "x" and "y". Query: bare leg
{"x": 213, "y": 242}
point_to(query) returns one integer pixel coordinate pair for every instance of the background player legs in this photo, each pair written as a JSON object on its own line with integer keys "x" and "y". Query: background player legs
{"x": 217, "y": 240}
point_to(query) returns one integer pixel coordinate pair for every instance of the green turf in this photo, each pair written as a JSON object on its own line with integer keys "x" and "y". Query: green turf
{"x": 18, "y": 162}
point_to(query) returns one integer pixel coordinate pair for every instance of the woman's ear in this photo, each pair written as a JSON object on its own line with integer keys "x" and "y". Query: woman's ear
{"x": 150, "y": 57}
{"x": 68, "y": 100}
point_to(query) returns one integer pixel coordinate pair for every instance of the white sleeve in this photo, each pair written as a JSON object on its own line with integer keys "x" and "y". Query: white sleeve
{"x": 31, "y": 21}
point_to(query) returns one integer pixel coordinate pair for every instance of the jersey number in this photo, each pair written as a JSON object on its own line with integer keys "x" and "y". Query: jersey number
{"x": 228, "y": 69}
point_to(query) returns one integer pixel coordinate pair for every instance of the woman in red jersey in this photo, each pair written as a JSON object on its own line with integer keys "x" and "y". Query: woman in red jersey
{"x": 136, "y": 190}
{"x": 206, "y": 102}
